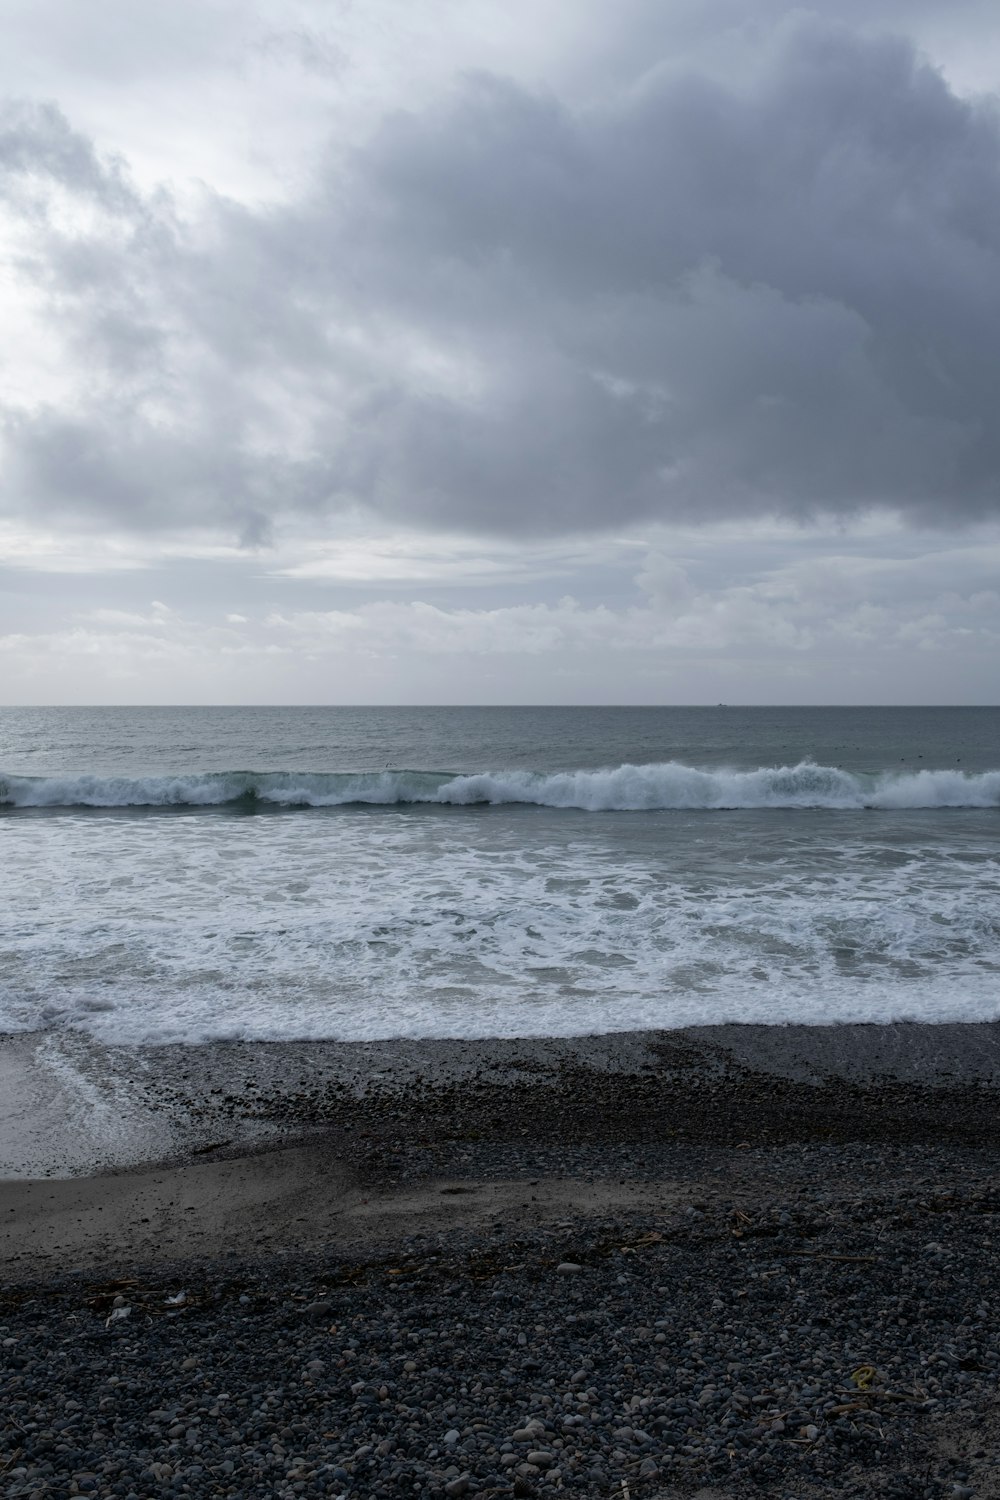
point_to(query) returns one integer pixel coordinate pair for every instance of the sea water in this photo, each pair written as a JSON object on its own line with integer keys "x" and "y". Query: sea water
{"x": 192, "y": 874}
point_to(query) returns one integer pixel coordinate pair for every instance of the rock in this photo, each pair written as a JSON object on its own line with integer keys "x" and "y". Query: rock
{"x": 540, "y": 1458}
{"x": 452, "y": 1436}
{"x": 457, "y": 1486}
{"x": 568, "y": 1268}
{"x": 318, "y": 1310}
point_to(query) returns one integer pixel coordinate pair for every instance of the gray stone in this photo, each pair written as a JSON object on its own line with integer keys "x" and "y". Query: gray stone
{"x": 318, "y": 1310}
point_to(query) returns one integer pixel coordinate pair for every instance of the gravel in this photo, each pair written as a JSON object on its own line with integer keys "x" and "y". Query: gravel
{"x": 810, "y": 1338}
{"x": 811, "y": 1310}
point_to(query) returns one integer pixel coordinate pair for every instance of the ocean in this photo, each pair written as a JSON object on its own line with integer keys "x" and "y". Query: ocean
{"x": 187, "y": 875}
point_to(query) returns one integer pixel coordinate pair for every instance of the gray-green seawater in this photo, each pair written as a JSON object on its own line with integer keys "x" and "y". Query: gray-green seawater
{"x": 190, "y": 873}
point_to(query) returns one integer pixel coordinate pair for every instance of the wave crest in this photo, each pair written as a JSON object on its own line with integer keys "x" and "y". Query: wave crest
{"x": 627, "y": 788}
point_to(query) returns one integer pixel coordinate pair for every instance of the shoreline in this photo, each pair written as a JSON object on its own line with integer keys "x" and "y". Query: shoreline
{"x": 73, "y": 1107}
{"x": 309, "y": 1145}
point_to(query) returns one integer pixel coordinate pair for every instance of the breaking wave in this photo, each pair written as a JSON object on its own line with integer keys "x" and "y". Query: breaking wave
{"x": 626, "y": 788}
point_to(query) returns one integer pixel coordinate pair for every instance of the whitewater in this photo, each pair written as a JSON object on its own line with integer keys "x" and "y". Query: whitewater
{"x": 625, "y": 788}
{"x": 571, "y": 871}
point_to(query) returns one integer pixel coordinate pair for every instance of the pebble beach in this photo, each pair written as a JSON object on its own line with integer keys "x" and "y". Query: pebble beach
{"x": 722, "y": 1263}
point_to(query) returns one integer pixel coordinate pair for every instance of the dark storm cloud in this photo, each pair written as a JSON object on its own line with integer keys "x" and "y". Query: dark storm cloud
{"x": 697, "y": 298}
{"x": 784, "y": 298}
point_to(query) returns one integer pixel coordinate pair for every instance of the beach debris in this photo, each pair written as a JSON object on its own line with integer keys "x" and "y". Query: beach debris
{"x": 847, "y": 1260}
{"x": 117, "y": 1314}
{"x": 651, "y": 1237}
{"x": 108, "y": 1293}
{"x": 863, "y": 1376}
{"x": 177, "y": 1300}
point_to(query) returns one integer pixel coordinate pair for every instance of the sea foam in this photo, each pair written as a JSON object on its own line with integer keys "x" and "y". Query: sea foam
{"x": 625, "y": 788}
{"x": 362, "y": 924}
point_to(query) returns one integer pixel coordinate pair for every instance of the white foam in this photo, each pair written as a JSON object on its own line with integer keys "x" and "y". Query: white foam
{"x": 360, "y": 928}
{"x": 626, "y": 788}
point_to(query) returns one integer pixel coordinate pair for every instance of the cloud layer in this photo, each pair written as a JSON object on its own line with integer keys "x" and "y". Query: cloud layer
{"x": 695, "y": 295}
{"x": 882, "y": 618}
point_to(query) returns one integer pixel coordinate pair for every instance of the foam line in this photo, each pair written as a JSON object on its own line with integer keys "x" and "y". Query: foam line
{"x": 625, "y": 788}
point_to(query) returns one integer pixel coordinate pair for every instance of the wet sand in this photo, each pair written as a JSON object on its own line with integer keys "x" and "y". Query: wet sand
{"x": 267, "y": 1149}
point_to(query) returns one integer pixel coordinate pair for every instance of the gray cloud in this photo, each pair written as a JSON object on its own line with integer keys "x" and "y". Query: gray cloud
{"x": 117, "y": 41}
{"x": 695, "y": 297}
{"x": 38, "y": 149}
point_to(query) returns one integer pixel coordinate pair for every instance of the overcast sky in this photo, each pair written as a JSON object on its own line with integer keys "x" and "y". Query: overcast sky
{"x": 495, "y": 351}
